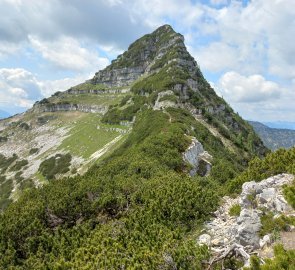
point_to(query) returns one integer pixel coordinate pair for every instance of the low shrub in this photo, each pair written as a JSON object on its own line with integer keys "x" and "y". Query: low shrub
{"x": 235, "y": 210}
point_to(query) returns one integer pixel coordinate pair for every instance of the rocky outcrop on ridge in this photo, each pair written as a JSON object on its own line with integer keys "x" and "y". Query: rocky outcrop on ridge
{"x": 40, "y": 108}
{"x": 198, "y": 158}
{"x": 75, "y": 91}
{"x": 162, "y": 104}
{"x": 256, "y": 200}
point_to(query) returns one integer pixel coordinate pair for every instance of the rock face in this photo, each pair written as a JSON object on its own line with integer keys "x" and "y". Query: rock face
{"x": 118, "y": 77}
{"x": 70, "y": 107}
{"x": 197, "y": 158}
{"x": 248, "y": 226}
{"x": 74, "y": 91}
{"x": 145, "y": 56}
{"x": 162, "y": 104}
{"x": 256, "y": 199}
{"x": 266, "y": 194}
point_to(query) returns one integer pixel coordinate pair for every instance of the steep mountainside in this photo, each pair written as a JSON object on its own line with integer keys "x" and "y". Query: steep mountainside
{"x": 168, "y": 149}
{"x": 274, "y": 138}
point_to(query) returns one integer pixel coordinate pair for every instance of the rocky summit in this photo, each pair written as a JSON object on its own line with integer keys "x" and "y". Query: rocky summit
{"x": 127, "y": 170}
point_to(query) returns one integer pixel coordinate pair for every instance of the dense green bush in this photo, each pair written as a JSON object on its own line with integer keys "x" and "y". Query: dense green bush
{"x": 58, "y": 164}
{"x": 235, "y": 210}
{"x": 283, "y": 260}
{"x": 33, "y": 151}
{"x": 19, "y": 164}
{"x": 275, "y": 225}
{"x": 136, "y": 209}
{"x": 281, "y": 161}
{"x": 6, "y": 162}
{"x": 289, "y": 193}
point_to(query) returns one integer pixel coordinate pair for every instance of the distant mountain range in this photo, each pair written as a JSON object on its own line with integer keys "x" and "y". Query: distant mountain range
{"x": 4, "y": 114}
{"x": 274, "y": 138}
{"x": 281, "y": 125}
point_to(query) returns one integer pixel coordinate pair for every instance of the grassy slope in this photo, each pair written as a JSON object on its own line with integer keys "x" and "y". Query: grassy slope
{"x": 82, "y": 139}
{"x": 85, "y": 137}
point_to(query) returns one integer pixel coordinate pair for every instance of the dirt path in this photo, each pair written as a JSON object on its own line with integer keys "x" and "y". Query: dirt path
{"x": 103, "y": 150}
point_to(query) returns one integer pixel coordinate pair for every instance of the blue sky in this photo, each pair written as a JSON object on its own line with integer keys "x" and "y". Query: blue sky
{"x": 244, "y": 48}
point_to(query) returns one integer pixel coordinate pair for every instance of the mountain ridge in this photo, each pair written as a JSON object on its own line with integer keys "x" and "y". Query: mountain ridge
{"x": 274, "y": 138}
{"x": 169, "y": 148}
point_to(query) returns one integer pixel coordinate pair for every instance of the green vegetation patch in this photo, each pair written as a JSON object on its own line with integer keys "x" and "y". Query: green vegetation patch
{"x": 6, "y": 162}
{"x": 235, "y": 210}
{"x": 273, "y": 226}
{"x": 3, "y": 139}
{"x": 89, "y": 99}
{"x": 19, "y": 164}
{"x": 172, "y": 98}
{"x": 33, "y": 151}
{"x": 281, "y": 161}
{"x": 283, "y": 260}
{"x": 89, "y": 86}
{"x": 86, "y": 137}
{"x": 289, "y": 194}
{"x": 6, "y": 186}
{"x": 58, "y": 164}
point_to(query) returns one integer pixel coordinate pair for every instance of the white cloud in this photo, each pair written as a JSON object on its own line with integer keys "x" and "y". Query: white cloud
{"x": 238, "y": 88}
{"x": 103, "y": 22}
{"x": 19, "y": 88}
{"x": 68, "y": 54}
{"x": 18, "y": 92}
{"x": 50, "y": 87}
{"x": 217, "y": 56}
{"x": 256, "y": 98}
{"x": 261, "y": 33}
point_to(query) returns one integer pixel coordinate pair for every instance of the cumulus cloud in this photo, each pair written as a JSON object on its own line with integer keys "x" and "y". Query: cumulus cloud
{"x": 260, "y": 33}
{"x": 254, "y": 88}
{"x": 68, "y": 54}
{"x": 104, "y": 22}
{"x": 256, "y": 98}
{"x": 19, "y": 88}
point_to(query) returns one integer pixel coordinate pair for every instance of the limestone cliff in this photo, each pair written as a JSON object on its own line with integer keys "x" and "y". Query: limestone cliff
{"x": 145, "y": 56}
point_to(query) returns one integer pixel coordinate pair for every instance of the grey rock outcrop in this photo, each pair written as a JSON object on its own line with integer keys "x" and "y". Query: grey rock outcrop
{"x": 74, "y": 91}
{"x": 248, "y": 227}
{"x": 198, "y": 158}
{"x": 39, "y": 108}
{"x": 119, "y": 76}
{"x": 162, "y": 104}
{"x": 255, "y": 200}
{"x": 205, "y": 239}
{"x": 266, "y": 193}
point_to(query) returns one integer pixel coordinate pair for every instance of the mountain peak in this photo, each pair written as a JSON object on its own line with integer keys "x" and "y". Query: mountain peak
{"x": 144, "y": 56}
{"x": 166, "y": 28}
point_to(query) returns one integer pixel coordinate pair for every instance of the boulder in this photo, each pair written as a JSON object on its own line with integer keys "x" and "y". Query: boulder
{"x": 267, "y": 195}
{"x": 205, "y": 239}
{"x": 248, "y": 227}
{"x": 264, "y": 241}
{"x": 197, "y": 158}
{"x": 280, "y": 204}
